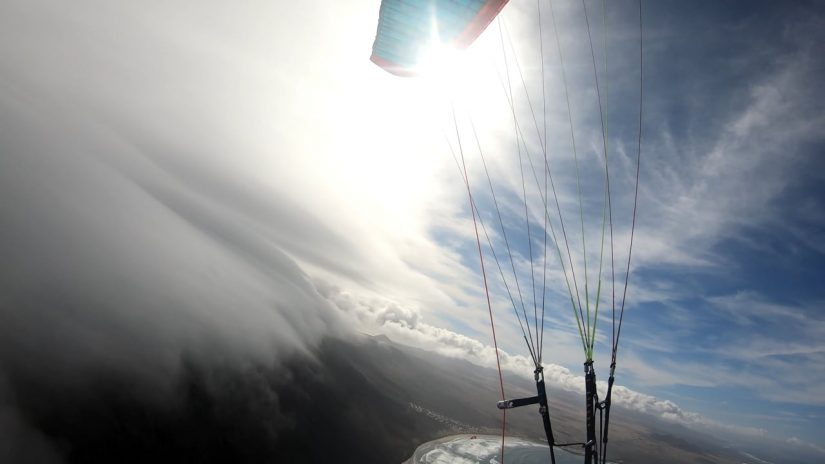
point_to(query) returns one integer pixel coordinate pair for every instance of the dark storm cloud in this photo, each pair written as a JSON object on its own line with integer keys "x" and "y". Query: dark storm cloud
{"x": 151, "y": 299}
{"x": 118, "y": 264}
{"x": 131, "y": 228}
{"x": 96, "y": 235}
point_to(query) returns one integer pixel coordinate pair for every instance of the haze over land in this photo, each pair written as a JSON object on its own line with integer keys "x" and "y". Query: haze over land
{"x": 203, "y": 208}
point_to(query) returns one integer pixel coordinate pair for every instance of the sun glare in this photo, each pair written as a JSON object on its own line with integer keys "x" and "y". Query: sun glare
{"x": 438, "y": 60}
{"x": 448, "y": 72}
{"x": 393, "y": 172}
{"x": 460, "y": 77}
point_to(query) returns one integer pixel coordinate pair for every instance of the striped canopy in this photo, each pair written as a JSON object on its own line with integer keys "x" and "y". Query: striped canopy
{"x": 406, "y": 27}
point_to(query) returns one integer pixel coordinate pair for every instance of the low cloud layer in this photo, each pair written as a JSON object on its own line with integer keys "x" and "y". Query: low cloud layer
{"x": 378, "y": 315}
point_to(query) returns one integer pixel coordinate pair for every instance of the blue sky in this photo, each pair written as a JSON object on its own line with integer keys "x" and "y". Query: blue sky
{"x": 263, "y": 146}
{"x": 725, "y": 311}
{"x": 745, "y": 330}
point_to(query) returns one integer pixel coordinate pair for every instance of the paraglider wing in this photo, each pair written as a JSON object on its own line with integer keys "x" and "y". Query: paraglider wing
{"x": 407, "y": 27}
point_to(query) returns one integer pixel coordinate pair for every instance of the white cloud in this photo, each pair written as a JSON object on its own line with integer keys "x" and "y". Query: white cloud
{"x": 379, "y": 315}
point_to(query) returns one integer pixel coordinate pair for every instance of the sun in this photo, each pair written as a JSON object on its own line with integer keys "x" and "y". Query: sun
{"x": 468, "y": 79}
{"x": 392, "y": 171}
{"x": 437, "y": 59}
